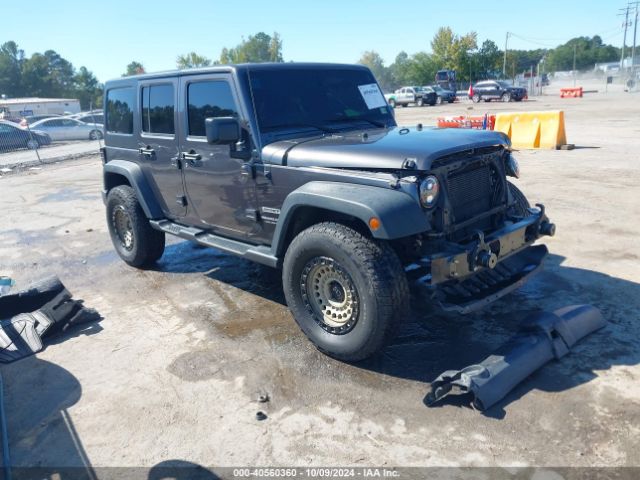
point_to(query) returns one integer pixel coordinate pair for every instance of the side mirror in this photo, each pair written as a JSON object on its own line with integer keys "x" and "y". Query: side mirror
{"x": 222, "y": 130}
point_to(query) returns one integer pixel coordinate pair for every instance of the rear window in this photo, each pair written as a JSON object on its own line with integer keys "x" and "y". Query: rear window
{"x": 157, "y": 109}
{"x": 119, "y": 110}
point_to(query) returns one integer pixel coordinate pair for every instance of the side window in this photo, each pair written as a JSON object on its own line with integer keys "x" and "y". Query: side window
{"x": 119, "y": 110}
{"x": 53, "y": 123}
{"x": 206, "y": 100}
{"x": 68, "y": 123}
{"x": 157, "y": 109}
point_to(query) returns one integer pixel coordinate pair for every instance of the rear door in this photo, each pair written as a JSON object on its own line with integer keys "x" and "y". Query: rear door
{"x": 158, "y": 147}
{"x": 220, "y": 193}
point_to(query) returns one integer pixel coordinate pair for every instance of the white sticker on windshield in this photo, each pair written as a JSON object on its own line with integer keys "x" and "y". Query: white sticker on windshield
{"x": 372, "y": 96}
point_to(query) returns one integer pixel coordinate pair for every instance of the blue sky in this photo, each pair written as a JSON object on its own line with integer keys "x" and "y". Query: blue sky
{"x": 106, "y": 36}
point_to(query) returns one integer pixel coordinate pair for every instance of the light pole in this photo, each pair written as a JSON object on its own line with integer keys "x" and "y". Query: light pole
{"x": 575, "y": 47}
{"x": 504, "y": 61}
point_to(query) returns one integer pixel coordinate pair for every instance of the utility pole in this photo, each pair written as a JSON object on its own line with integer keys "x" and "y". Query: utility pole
{"x": 575, "y": 48}
{"x": 624, "y": 40}
{"x": 504, "y": 62}
{"x": 635, "y": 29}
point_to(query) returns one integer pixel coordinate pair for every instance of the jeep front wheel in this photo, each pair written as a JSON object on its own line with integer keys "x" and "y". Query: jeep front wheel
{"x": 137, "y": 243}
{"x": 345, "y": 291}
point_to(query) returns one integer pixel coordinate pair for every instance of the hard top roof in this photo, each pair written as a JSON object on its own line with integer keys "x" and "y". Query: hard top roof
{"x": 234, "y": 68}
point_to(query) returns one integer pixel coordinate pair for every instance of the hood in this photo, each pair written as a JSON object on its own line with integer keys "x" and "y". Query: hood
{"x": 380, "y": 149}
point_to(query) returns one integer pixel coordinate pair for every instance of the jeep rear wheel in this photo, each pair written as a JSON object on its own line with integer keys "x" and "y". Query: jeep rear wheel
{"x": 137, "y": 243}
{"x": 345, "y": 291}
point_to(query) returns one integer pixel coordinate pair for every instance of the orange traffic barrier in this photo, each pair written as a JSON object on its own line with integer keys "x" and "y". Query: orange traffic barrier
{"x": 571, "y": 92}
{"x": 484, "y": 122}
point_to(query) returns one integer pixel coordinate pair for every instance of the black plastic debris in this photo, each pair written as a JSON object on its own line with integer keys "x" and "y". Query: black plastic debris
{"x": 542, "y": 337}
{"x": 41, "y": 311}
{"x": 260, "y": 416}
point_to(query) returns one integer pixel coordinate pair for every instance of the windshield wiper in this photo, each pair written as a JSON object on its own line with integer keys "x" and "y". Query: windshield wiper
{"x": 375, "y": 123}
{"x": 296, "y": 125}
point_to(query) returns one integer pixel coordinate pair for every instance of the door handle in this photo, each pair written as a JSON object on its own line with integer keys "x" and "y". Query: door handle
{"x": 147, "y": 151}
{"x": 194, "y": 159}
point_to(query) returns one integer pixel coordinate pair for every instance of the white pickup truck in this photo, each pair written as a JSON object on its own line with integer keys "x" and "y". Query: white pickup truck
{"x": 416, "y": 95}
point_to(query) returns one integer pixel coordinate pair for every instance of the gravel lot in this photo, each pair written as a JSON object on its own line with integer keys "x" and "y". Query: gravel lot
{"x": 174, "y": 369}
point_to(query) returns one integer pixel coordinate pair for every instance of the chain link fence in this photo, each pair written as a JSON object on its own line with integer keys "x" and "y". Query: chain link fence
{"x": 38, "y": 131}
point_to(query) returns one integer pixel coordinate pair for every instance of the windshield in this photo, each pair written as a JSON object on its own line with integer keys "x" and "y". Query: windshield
{"x": 322, "y": 99}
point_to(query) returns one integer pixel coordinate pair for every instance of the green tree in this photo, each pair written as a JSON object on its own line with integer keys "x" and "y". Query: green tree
{"x": 256, "y": 48}
{"x": 488, "y": 60}
{"x": 36, "y": 81}
{"x": 452, "y": 51}
{"x": 11, "y": 58}
{"x": 87, "y": 89}
{"x": 588, "y": 51}
{"x": 192, "y": 60}
{"x": 374, "y": 61}
{"x": 134, "y": 68}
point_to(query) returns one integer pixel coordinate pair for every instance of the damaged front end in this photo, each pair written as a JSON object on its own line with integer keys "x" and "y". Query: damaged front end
{"x": 481, "y": 245}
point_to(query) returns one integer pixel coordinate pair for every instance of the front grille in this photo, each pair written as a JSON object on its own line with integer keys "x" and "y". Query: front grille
{"x": 470, "y": 191}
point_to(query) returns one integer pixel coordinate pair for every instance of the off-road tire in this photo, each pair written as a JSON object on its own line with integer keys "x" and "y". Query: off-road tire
{"x": 148, "y": 244}
{"x": 380, "y": 283}
{"x": 521, "y": 204}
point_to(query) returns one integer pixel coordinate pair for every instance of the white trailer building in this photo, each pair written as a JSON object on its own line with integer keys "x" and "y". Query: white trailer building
{"x": 21, "y": 107}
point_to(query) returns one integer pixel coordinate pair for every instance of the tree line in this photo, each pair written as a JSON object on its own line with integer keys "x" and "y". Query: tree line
{"x": 472, "y": 63}
{"x": 48, "y": 74}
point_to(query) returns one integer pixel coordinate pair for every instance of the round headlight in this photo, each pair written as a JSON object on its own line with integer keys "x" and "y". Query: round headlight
{"x": 513, "y": 169}
{"x": 429, "y": 189}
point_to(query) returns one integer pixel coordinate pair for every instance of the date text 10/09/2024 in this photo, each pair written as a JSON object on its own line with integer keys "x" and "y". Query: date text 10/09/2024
{"x": 315, "y": 473}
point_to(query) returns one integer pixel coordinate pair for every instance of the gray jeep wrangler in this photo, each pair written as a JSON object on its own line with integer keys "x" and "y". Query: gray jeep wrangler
{"x": 324, "y": 186}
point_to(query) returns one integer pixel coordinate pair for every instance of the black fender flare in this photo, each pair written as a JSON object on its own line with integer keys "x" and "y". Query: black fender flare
{"x": 133, "y": 173}
{"x": 399, "y": 213}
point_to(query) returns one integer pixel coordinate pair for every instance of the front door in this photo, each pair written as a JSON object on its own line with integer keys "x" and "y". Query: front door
{"x": 220, "y": 193}
{"x": 157, "y": 147}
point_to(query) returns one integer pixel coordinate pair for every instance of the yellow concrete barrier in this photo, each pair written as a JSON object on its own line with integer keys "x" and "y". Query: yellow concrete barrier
{"x": 533, "y": 129}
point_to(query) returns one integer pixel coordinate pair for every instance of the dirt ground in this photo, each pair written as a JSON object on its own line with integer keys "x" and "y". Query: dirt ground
{"x": 174, "y": 370}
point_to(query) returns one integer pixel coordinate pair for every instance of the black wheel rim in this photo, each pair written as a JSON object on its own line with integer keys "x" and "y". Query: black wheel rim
{"x": 121, "y": 222}
{"x": 330, "y": 295}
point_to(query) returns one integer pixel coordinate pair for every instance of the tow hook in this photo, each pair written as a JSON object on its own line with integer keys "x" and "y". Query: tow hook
{"x": 483, "y": 256}
{"x": 487, "y": 259}
{"x": 548, "y": 228}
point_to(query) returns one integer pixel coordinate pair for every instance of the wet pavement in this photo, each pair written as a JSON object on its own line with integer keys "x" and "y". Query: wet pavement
{"x": 176, "y": 367}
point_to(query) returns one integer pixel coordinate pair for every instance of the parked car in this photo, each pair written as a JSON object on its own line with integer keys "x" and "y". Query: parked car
{"x": 326, "y": 187}
{"x": 31, "y": 119}
{"x": 68, "y": 129}
{"x": 488, "y": 90}
{"x": 91, "y": 119}
{"x": 443, "y": 95}
{"x": 416, "y": 95}
{"x": 13, "y": 137}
